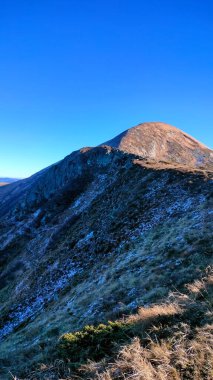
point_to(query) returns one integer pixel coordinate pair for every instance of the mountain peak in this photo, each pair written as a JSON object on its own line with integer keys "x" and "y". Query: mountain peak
{"x": 163, "y": 142}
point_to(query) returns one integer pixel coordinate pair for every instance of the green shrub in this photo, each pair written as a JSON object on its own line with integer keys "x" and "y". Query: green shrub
{"x": 92, "y": 342}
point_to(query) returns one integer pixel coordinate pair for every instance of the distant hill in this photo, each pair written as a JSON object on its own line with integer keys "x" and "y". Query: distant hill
{"x": 6, "y": 180}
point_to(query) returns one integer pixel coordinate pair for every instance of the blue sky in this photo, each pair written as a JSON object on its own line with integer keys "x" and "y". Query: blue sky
{"x": 75, "y": 73}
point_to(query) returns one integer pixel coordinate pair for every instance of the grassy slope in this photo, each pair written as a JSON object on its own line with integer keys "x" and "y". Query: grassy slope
{"x": 139, "y": 272}
{"x": 171, "y": 341}
{"x": 113, "y": 289}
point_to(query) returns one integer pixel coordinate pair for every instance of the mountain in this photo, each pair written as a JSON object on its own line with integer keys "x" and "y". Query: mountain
{"x": 99, "y": 234}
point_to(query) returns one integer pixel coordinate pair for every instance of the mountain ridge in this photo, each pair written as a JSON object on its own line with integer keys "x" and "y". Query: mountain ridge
{"x": 137, "y": 141}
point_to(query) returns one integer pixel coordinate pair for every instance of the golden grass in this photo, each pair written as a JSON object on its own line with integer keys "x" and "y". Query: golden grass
{"x": 150, "y": 314}
{"x": 186, "y": 353}
{"x": 174, "y": 360}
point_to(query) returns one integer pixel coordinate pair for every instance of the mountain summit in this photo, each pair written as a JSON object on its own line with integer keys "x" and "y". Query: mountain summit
{"x": 163, "y": 142}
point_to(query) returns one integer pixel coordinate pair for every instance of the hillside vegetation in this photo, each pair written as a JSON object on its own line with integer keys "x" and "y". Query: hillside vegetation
{"x": 171, "y": 341}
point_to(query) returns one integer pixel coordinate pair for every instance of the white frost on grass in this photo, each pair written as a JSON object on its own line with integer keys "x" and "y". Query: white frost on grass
{"x": 30, "y": 310}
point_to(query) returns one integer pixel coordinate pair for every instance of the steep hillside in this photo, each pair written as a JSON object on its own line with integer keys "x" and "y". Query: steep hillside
{"x": 93, "y": 237}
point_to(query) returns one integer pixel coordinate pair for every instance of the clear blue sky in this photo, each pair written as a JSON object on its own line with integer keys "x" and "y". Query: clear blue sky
{"x": 75, "y": 73}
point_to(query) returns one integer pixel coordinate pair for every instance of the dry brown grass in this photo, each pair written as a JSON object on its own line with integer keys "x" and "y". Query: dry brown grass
{"x": 167, "y": 360}
{"x": 186, "y": 353}
{"x": 148, "y": 315}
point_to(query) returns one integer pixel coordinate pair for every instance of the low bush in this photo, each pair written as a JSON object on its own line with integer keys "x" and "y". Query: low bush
{"x": 96, "y": 342}
{"x": 92, "y": 342}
